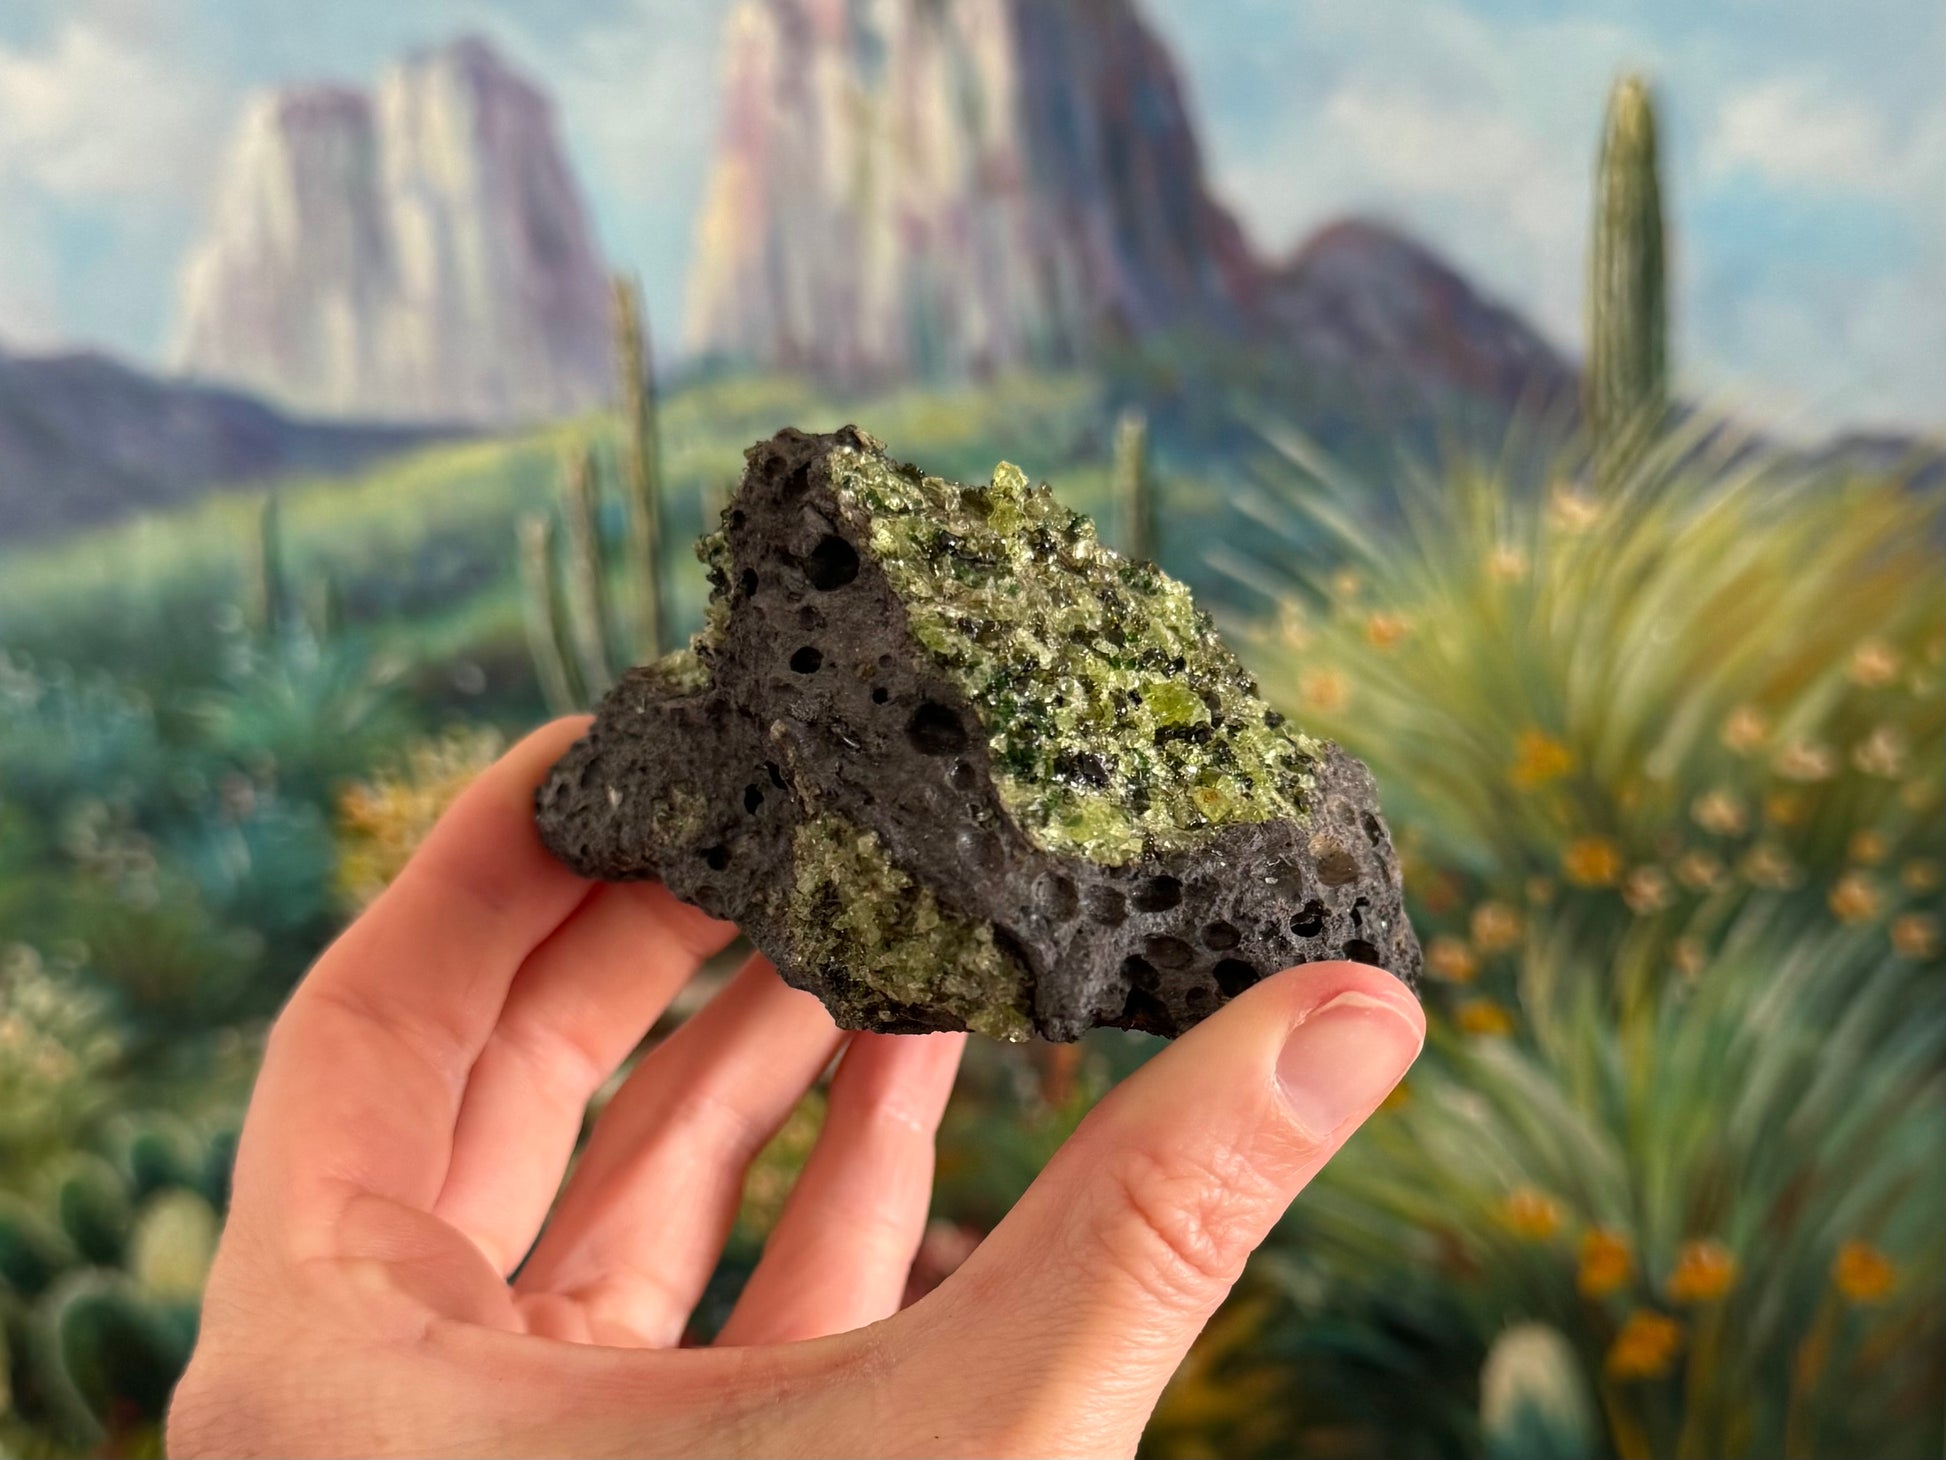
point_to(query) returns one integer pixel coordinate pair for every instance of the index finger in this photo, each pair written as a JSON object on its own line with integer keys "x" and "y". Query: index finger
{"x": 366, "y": 1067}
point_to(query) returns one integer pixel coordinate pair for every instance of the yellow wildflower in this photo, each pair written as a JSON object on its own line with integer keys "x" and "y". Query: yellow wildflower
{"x": 1768, "y": 865}
{"x": 1882, "y": 753}
{"x": 1854, "y": 899}
{"x": 1645, "y": 1347}
{"x": 1531, "y": 1214}
{"x": 1874, "y": 664}
{"x": 1384, "y": 630}
{"x": 1450, "y": 958}
{"x": 1291, "y": 626}
{"x": 1506, "y": 564}
{"x": 1704, "y": 1270}
{"x": 1607, "y": 1263}
{"x": 1785, "y": 808}
{"x": 1862, "y": 1273}
{"x": 1721, "y": 812}
{"x": 1592, "y": 861}
{"x": 1915, "y": 935}
{"x": 1495, "y": 927}
{"x": 1485, "y": 1018}
{"x": 1745, "y": 730}
{"x": 1922, "y": 875}
{"x": 1571, "y": 510}
{"x": 1699, "y": 871}
{"x": 1324, "y": 690}
{"x": 1805, "y": 760}
{"x": 1646, "y": 890}
{"x": 381, "y": 822}
{"x": 1538, "y": 759}
{"x": 1867, "y": 847}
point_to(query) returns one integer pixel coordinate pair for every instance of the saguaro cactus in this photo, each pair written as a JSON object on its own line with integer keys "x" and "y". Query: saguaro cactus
{"x": 1626, "y": 384}
{"x": 642, "y": 470}
{"x": 267, "y": 585}
{"x": 575, "y": 636}
{"x": 1134, "y": 489}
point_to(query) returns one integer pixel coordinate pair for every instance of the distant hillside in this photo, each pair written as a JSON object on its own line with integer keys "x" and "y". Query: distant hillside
{"x": 84, "y": 438}
{"x": 1389, "y": 314}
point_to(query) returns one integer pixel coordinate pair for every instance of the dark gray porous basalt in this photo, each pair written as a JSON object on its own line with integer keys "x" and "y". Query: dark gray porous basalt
{"x": 953, "y": 764}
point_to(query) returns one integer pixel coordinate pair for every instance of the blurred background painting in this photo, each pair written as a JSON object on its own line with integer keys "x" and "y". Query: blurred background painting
{"x": 1548, "y": 402}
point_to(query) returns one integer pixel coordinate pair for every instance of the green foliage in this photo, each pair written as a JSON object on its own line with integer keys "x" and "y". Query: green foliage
{"x": 1626, "y": 380}
{"x": 91, "y": 1202}
{"x": 108, "y": 1355}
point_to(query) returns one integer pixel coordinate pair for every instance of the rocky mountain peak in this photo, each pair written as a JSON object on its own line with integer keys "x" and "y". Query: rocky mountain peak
{"x": 419, "y": 252}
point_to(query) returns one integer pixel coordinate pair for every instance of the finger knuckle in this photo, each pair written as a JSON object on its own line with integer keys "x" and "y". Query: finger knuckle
{"x": 1172, "y": 1224}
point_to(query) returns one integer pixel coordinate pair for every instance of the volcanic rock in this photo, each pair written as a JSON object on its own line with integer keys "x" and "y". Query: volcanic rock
{"x": 953, "y": 764}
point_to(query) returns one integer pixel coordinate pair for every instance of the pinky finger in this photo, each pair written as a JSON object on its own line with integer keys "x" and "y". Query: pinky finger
{"x": 839, "y": 1255}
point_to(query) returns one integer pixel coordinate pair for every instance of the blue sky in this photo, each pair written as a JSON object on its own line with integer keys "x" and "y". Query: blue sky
{"x": 1806, "y": 145}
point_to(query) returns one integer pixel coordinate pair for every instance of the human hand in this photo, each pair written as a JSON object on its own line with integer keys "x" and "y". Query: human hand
{"x": 420, "y": 1099}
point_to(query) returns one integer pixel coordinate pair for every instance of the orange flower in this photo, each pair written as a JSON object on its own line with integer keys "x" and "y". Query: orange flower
{"x": 1506, "y": 564}
{"x": 1538, "y": 759}
{"x": 1495, "y": 927}
{"x": 1448, "y": 957}
{"x": 1607, "y": 1263}
{"x": 1920, "y": 876}
{"x": 1704, "y": 1270}
{"x": 1805, "y": 760}
{"x": 1721, "y": 812}
{"x": 1570, "y": 510}
{"x": 1531, "y": 1214}
{"x": 1862, "y": 1273}
{"x": 1867, "y": 847}
{"x": 1915, "y": 936}
{"x": 1768, "y": 865}
{"x": 1645, "y": 1347}
{"x": 1874, "y": 664}
{"x": 1699, "y": 871}
{"x": 1646, "y": 890}
{"x": 1384, "y": 630}
{"x": 1689, "y": 955}
{"x": 1854, "y": 899}
{"x": 1324, "y": 690}
{"x": 1485, "y": 1018}
{"x": 1746, "y": 729}
{"x": 1592, "y": 861}
{"x": 1882, "y": 753}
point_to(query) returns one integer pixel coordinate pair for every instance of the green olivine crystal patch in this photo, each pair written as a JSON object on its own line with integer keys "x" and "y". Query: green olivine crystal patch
{"x": 853, "y": 910}
{"x": 1119, "y": 725}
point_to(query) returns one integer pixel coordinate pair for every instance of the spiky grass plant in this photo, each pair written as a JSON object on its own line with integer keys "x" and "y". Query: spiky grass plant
{"x": 1667, "y": 766}
{"x": 1724, "y": 677}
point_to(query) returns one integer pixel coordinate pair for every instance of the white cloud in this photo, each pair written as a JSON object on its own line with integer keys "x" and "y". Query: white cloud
{"x": 1790, "y": 132}
{"x": 99, "y": 112}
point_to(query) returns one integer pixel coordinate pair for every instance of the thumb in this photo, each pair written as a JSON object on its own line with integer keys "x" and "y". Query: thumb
{"x": 1085, "y": 1299}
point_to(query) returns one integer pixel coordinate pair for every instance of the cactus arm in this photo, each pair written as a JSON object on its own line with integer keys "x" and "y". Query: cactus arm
{"x": 1134, "y": 490}
{"x": 643, "y": 472}
{"x": 587, "y": 586}
{"x": 545, "y": 614}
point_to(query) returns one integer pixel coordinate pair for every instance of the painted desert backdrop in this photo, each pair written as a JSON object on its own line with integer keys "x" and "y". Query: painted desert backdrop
{"x": 1548, "y": 403}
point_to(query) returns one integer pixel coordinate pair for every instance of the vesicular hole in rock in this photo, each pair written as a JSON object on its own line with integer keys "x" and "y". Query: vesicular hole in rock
{"x": 1310, "y": 922}
{"x": 832, "y": 564}
{"x": 716, "y": 858}
{"x": 1105, "y": 906}
{"x": 1145, "y": 1012}
{"x": 1199, "y": 1000}
{"x": 880, "y": 694}
{"x": 1337, "y": 864}
{"x": 749, "y": 581}
{"x": 1169, "y": 953}
{"x": 935, "y": 730}
{"x": 808, "y": 660}
{"x": 752, "y": 799}
{"x": 1158, "y": 894}
{"x": 1139, "y": 971}
{"x": 1233, "y": 976}
{"x": 1218, "y": 936}
{"x": 1359, "y": 951}
{"x": 1058, "y": 897}
{"x": 776, "y": 776}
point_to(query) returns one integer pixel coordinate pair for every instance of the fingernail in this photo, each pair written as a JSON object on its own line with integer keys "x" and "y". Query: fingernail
{"x": 1340, "y": 1062}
